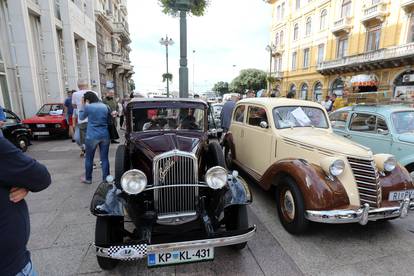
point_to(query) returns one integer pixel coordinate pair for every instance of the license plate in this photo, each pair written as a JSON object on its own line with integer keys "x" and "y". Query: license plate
{"x": 400, "y": 195}
{"x": 40, "y": 133}
{"x": 180, "y": 256}
{"x": 41, "y": 125}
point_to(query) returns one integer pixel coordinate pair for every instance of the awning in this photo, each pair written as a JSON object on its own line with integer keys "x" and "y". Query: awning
{"x": 364, "y": 80}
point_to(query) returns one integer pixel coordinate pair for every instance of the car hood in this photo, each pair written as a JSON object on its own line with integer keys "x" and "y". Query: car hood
{"x": 326, "y": 141}
{"x": 163, "y": 142}
{"x": 44, "y": 119}
{"x": 406, "y": 137}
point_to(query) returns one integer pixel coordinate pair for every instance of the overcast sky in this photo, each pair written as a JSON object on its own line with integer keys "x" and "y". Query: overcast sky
{"x": 233, "y": 32}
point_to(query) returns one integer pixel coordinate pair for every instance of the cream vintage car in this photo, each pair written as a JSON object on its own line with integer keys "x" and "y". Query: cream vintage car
{"x": 318, "y": 176}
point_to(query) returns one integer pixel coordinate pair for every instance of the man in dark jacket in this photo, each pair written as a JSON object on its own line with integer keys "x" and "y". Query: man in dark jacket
{"x": 19, "y": 174}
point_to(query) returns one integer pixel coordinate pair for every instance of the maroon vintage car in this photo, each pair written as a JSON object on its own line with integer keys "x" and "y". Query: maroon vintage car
{"x": 171, "y": 182}
{"x": 49, "y": 121}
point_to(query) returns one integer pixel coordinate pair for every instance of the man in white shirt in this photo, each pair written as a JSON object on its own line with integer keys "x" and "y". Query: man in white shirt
{"x": 327, "y": 103}
{"x": 77, "y": 105}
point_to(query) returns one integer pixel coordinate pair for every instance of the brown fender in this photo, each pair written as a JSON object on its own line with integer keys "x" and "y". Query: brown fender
{"x": 228, "y": 141}
{"x": 319, "y": 191}
{"x": 398, "y": 180}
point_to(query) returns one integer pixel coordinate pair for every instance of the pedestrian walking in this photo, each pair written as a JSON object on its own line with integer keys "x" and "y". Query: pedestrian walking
{"x": 77, "y": 105}
{"x": 2, "y": 120}
{"x": 19, "y": 174}
{"x": 69, "y": 112}
{"x": 110, "y": 101}
{"x": 121, "y": 113}
{"x": 226, "y": 113}
{"x": 327, "y": 103}
{"x": 97, "y": 134}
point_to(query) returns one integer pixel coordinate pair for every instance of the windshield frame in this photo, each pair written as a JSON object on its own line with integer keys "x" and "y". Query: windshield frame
{"x": 393, "y": 122}
{"x": 303, "y": 106}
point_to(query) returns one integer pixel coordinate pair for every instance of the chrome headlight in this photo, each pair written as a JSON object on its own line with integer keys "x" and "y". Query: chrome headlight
{"x": 216, "y": 177}
{"x": 385, "y": 162}
{"x": 332, "y": 166}
{"x": 133, "y": 182}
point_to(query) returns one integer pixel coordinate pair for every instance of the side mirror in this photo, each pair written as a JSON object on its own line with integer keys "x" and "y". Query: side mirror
{"x": 264, "y": 124}
{"x": 383, "y": 131}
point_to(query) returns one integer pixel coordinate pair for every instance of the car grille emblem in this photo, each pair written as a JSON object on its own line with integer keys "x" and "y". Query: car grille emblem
{"x": 164, "y": 170}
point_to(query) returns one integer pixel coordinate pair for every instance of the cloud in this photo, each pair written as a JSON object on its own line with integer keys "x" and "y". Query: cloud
{"x": 233, "y": 32}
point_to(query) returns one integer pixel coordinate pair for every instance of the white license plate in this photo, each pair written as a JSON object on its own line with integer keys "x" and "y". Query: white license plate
{"x": 400, "y": 195}
{"x": 180, "y": 256}
{"x": 41, "y": 125}
{"x": 40, "y": 133}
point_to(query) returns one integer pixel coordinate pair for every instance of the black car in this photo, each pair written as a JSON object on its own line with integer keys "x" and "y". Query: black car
{"x": 172, "y": 200}
{"x": 15, "y": 131}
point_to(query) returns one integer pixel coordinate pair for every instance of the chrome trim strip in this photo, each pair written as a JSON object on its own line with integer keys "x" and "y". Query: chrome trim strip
{"x": 178, "y": 215}
{"x": 142, "y": 250}
{"x": 361, "y": 215}
{"x": 174, "y": 186}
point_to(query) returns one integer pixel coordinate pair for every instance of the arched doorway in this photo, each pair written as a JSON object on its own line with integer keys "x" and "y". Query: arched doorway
{"x": 292, "y": 89}
{"x": 404, "y": 85}
{"x": 317, "y": 92}
{"x": 304, "y": 92}
{"x": 337, "y": 88}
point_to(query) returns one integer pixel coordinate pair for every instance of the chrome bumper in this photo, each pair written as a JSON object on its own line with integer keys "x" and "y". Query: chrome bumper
{"x": 139, "y": 251}
{"x": 362, "y": 215}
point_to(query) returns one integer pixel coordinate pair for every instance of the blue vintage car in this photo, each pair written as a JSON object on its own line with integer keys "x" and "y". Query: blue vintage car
{"x": 383, "y": 128}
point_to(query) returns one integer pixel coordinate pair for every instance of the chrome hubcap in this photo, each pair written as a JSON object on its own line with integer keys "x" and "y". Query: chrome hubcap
{"x": 289, "y": 205}
{"x": 22, "y": 144}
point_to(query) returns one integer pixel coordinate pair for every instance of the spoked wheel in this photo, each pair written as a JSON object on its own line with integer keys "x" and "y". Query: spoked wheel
{"x": 236, "y": 219}
{"x": 108, "y": 231}
{"x": 23, "y": 143}
{"x": 291, "y": 207}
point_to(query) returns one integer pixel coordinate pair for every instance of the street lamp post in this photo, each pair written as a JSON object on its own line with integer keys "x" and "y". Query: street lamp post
{"x": 269, "y": 48}
{"x": 167, "y": 42}
{"x": 193, "y": 70}
{"x": 183, "y": 6}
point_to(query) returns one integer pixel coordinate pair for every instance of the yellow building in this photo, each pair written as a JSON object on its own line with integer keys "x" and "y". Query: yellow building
{"x": 323, "y": 47}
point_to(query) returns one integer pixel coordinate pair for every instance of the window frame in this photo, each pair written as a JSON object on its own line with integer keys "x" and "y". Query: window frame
{"x": 308, "y": 26}
{"x": 244, "y": 114}
{"x": 345, "y": 49}
{"x": 322, "y": 18}
{"x": 294, "y": 60}
{"x": 410, "y": 34}
{"x": 368, "y": 36}
{"x": 346, "y": 125}
{"x": 306, "y": 58}
{"x": 346, "y": 7}
{"x": 247, "y": 119}
{"x": 321, "y": 56}
{"x": 377, "y": 117}
{"x": 295, "y": 31}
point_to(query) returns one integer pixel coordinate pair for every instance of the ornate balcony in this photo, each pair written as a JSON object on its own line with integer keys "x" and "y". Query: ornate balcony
{"x": 375, "y": 13}
{"x": 342, "y": 26}
{"x": 113, "y": 60}
{"x": 384, "y": 58}
{"x": 122, "y": 29}
{"x": 278, "y": 49}
{"x": 278, "y": 75}
{"x": 407, "y": 5}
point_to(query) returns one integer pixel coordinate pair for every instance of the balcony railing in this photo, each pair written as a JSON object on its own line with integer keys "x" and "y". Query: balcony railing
{"x": 370, "y": 57}
{"x": 123, "y": 29}
{"x": 375, "y": 12}
{"x": 407, "y": 5}
{"x": 113, "y": 58}
{"x": 277, "y": 74}
{"x": 342, "y": 25}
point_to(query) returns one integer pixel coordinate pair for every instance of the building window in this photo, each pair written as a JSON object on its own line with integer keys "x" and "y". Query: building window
{"x": 306, "y": 57}
{"x": 292, "y": 88}
{"x": 278, "y": 64}
{"x": 342, "y": 47}
{"x": 294, "y": 54}
{"x": 297, "y": 4}
{"x": 278, "y": 13}
{"x": 338, "y": 88}
{"x": 373, "y": 39}
{"x": 411, "y": 29}
{"x": 283, "y": 10}
{"x": 321, "y": 52}
{"x": 295, "y": 32}
{"x": 277, "y": 40}
{"x": 322, "y": 24}
{"x": 346, "y": 8}
{"x": 317, "y": 92}
{"x": 304, "y": 92}
{"x": 308, "y": 26}
{"x": 281, "y": 38}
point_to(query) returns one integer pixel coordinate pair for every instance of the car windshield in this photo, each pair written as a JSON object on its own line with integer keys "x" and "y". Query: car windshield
{"x": 150, "y": 119}
{"x": 403, "y": 121}
{"x": 299, "y": 116}
{"x": 51, "y": 109}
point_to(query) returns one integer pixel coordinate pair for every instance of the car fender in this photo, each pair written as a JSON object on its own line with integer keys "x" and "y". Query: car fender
{"x": 407, "y": 160}
{"x": 319, "y": 191}
{"x": 228, "y": 141}
{"x": 107, "y": 201}
{"x": 397, "y": 180}
{"x": 237, "y": 193}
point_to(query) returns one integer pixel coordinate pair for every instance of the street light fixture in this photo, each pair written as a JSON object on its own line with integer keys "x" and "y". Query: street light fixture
{"x": 167, "y": 42}
{"x": 269, "y": 48}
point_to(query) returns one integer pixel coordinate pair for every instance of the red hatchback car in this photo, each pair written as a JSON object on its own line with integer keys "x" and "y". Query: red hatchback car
{"x": 50, "y": 120}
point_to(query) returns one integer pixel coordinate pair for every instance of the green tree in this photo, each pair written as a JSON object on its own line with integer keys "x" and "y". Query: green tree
{"x": 221, "y": 88}
{"x": 249, "y": 79}
{"x": 198, "y": 7}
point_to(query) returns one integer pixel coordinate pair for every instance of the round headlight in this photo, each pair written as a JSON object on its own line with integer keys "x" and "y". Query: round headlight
{"x": 216, "y": 177}
{"x": 133, "y": 182}
{"x": 337, "y": 167}
{"x": 390, "y": 164}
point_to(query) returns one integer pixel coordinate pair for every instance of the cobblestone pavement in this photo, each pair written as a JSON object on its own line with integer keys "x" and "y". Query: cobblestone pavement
{"x": 63, "y": 229}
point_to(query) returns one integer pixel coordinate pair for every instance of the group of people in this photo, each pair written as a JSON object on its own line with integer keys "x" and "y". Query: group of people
{"x": 332, "y": 103}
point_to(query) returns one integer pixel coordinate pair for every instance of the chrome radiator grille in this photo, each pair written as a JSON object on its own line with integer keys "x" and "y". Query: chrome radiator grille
{"x": 367, "y": 180}
{"x": 175, "y": 168}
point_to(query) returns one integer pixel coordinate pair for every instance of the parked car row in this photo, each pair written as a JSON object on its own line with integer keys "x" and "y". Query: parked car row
{"x": 172, "y": 181}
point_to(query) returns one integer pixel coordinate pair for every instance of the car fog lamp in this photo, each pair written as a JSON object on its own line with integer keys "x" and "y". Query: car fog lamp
{"x": 133, "y": 182}
{"x": 390, "y": 164}
{"x": 216, "y": 177}
{"x": 337, "y": 167}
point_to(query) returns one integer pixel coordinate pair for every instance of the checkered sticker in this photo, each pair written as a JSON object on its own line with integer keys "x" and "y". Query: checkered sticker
{"x": 127, "y": 252}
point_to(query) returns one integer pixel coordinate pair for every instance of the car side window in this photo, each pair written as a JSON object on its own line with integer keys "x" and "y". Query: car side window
{"x": 10, "y": 118}
{"x": 256, "y": 115}
{"x": 239, "y": 114}
{"x": 338, "y": 119}
{"x": 382, "y": 127}
{"x": 363, "y": 123}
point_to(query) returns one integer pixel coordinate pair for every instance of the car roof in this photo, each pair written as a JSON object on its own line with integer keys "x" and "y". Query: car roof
{"x": 270, "y": 103}
{"x": 380, "y": 109}
{"x": 153, "y": 100}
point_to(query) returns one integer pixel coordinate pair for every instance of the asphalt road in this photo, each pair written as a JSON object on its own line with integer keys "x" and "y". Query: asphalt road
{"x": 62, "y": 230}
